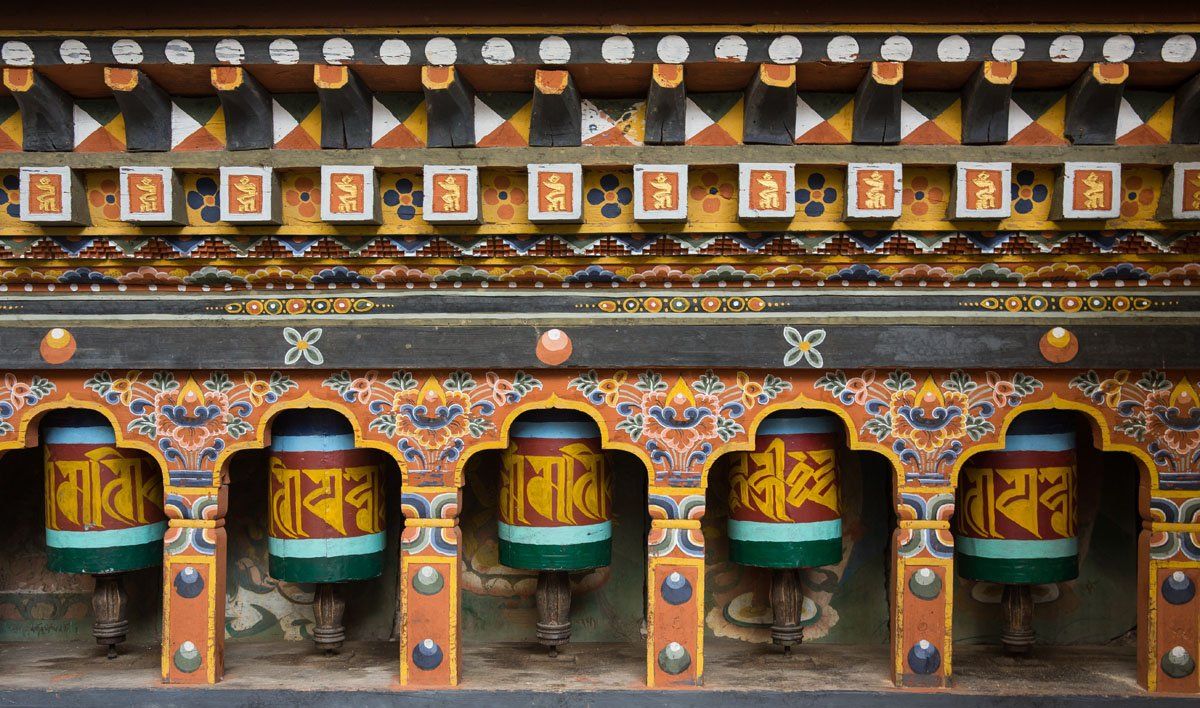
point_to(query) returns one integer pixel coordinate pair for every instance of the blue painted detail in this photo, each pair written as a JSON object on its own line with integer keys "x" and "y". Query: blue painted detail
{"x": 427, "y": 655}
{"x": 1050, "y": 442}
{"x": 188, "y": 583}
{"x": 326, "y": 547}
{"x": 1042, "y": 423}
{"x": 311, "y": 443}
{"x": 676, "y": 589}
{"x": 311, "y": 430}
{"x": 1006, "y": 548}
{"x": 77, "y": 428}
{"x": 784, "y": 424}
{"x": 924, "y": 658}
{"x": 134, "y": 536}
{"x": 554, "y": 424}
{"x": 788, "y": 533}
{"x": 1178, "y": 588}
{"x": 555, "y": 535}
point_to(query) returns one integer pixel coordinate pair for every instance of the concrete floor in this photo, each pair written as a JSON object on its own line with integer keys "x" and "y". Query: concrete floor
{"x": 736, "y": 674}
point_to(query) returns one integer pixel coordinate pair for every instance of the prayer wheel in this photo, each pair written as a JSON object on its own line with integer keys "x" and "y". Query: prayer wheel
{"x": 785, "y": 509}
{"x": 1016, "y": 517}
{"x": 555, "y": 510}
{"x": 104, "y": 513}
{"x": 327, "y": 512}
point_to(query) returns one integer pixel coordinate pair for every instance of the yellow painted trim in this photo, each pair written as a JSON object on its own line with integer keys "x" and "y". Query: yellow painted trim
{"x": 651, "y": 596}
{"x": 194, "y": 523}
{"x": 1174, "y": 527}
{"x": 675, "y": 523}
{"x": 1151, "y": 638}
{"x": 414, "y": 489}
{"x": 430, "y": 523}
{"x": 675, "y": 491}
{"x": 922, "y": 524}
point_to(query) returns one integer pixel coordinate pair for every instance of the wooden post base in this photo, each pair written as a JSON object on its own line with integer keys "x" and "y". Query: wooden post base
{"x": 1017, "y": 604}
{"x": 554, "y": 609}
{"x": 328, "y": 608}
{"x": 110, "y": 606}
{"x": 787, "y": 603}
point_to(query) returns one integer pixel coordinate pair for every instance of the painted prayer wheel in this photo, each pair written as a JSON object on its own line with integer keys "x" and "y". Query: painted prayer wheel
{"x": 785, "y": 509}
{"x": 327, "y": 512}
{"x": 555, "y": 509}
{"x": 104, "y": 512}
{"x": 1015, "y": 522}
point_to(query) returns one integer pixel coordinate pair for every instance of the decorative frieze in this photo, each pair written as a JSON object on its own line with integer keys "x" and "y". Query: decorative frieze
{"x": 1089, "y": 191}
{"x": 1181, "y": 192}
{"x": 51, "y": 195}
{"x": 873, "y": 190}
{"x": 554, "y": 193}
{"x": 981, "y": 190}
{"x": 349, "y": 194}
{"x": 150, "y": 195}
{"x": 249, "y": 195}
{"x": 659, "y": 192}
{"x": 452, "y": 194}
{"x": 766, "y": 190}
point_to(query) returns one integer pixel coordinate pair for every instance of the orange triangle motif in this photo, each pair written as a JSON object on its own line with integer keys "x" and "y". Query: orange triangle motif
{"x": 506, "y": 135}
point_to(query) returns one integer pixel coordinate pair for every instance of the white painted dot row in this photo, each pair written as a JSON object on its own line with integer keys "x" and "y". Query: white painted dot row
{"x": 616, "y": 49}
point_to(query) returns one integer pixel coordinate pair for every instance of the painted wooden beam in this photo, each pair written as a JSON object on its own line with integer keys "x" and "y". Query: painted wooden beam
{"x": 666, "y": 106}
{"x": 145, "y": 107}
{"x": 345, "y": 108}
{"x": 556, "y": 117}
{"x": 985, "y": 103}
{"x": 249, "y": 121}
{"x": 770, "y": 106}
{"x": 450, "y": 103}
{"x": 607, "y": 156}
{"x": 1094, "y": 103}
{"x": 47, "y": 112}
{"x": 1185, "y": 125}
{"x": 877, "y": 104}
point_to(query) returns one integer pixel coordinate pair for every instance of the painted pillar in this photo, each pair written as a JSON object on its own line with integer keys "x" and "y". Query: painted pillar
{"x": 675, "y": 592}
{"x": 194, "y": 549}
{"x": 922, "y": 580}
{"x": 1168, "y": 585}
{"x": 429, "y": 563}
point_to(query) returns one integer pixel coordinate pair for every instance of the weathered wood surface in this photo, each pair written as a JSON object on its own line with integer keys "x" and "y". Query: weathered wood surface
{"x": 616, "y": 156}
{"x": 145, "y": 107}
{"x": 47, "y": 112}
{"x": 247, "y": 108}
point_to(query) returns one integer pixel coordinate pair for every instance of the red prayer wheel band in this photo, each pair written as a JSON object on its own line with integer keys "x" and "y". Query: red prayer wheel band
{"x": 333, "y": 494}
{"x": 1031, "y": 499}
{"x": 92, "y": 487}
{"x": 789, "y": 478}
{"x": 547, "y": 482}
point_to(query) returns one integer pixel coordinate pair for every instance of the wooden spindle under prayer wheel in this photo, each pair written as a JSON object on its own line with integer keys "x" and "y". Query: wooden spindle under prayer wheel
{"x": 785, "y": 510}
{"x": 555, "y": 510}
{"x": 1015, "y": 521}
{"x": 327, "y": 513}
{"x": 104, "y": 513}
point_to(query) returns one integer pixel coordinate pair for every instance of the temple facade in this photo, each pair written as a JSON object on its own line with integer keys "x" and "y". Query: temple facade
{"x": 574, "y": 334}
